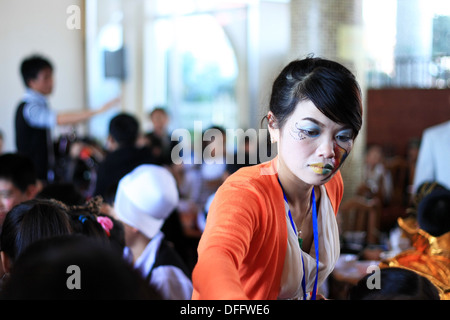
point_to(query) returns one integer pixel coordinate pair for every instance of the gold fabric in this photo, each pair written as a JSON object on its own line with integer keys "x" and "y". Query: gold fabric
{"x": 430, "y": 256}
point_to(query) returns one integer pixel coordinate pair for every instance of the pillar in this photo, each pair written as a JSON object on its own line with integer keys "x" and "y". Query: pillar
{"x": 333, "y": 29}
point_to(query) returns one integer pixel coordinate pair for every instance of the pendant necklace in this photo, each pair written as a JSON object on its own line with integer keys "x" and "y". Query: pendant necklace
{"x": 300, "y": 241}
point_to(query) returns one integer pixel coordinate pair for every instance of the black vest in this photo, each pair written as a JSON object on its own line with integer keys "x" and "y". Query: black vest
{"x": 167, "y": 256}
{"x": 32, "y": 142}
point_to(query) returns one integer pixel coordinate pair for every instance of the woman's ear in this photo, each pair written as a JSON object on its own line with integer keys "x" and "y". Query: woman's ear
{"x": 273, "y": 127}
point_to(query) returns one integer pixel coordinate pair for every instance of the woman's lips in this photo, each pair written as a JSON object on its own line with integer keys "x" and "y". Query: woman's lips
{"x": 320, "y": 168}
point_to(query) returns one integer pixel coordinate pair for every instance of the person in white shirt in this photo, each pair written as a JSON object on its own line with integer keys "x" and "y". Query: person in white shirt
{"x": 145, "y": 198}
{"x": 434, "y": 157}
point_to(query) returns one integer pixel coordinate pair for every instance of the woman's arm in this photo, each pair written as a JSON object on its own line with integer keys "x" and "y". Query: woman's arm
{"x": 224, "y": 244}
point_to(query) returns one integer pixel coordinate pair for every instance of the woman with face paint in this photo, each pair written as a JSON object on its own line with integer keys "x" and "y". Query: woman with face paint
{"x": 271, "y": 231}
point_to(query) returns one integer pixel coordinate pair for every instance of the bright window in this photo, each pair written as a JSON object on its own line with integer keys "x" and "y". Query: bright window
{"x": 174, "y": 53}
{"x": 192, "y": 70}
{"x": 407, "y": 43}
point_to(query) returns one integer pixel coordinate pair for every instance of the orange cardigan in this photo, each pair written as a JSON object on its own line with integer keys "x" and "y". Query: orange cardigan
{"x": 242, "y": 250}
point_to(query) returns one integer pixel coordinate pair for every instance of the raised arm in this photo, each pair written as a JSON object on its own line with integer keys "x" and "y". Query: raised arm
{"x": 81, "y": 116}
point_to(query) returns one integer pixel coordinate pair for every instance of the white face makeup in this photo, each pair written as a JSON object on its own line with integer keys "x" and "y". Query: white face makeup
{"x": 312, "y": 146}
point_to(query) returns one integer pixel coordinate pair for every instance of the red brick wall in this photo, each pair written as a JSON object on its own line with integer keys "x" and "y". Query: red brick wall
{"x": 394, "y": 116}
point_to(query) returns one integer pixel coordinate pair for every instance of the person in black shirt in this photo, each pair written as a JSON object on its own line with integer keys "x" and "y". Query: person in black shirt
{"x": 124, "y": 155}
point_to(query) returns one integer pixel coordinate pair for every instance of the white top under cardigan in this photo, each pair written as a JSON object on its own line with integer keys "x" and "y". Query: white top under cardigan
{"x": 329, "y": 250}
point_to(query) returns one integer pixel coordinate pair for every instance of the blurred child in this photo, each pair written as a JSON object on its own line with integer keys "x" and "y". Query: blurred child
{"x": 102, "y": 273}
{"x": 34, "y": 119}
{"x": 28, "y": 222}
{"x": 144, "y": 200}
{"x": 18, "y": 181}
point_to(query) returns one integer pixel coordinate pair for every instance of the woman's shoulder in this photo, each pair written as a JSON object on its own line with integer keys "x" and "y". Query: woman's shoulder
{"x": 258, "y": 176}
{"x": 249, "y": 195}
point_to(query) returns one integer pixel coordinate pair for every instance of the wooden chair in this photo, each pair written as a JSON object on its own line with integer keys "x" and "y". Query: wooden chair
{"x": 360, "y": 214}
{"x": 399, "y": 169}
{"x": 400, "y": 198}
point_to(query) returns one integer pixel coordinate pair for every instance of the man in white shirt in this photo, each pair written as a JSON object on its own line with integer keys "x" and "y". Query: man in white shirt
{"x": 34, "y": 118}
{"x": 433, "y": 162}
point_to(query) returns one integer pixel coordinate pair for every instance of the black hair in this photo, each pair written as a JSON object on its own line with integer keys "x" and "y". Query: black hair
{"x": 86, "y": 223}
{"x": 396, "y": 284}
{"x": 329, "y": 85}
{"x": 65, "y": 192}
{"x": 433, "y": 213}
{"x": 162, "y": 109}
{"x": 117, "y": 234}
{"x": 423, "y": 190}
{"x": 124, "y": 128}
{"x": 19, "y": 169}
{"x": 30, "y": 221}
{"x": 31, "y": 67}
{"x": 85, "y": 220}
{"x": 42, "y": 272}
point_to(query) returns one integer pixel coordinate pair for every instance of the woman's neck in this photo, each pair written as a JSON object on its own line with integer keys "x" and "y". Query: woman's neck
{"x": 298, "y": 193}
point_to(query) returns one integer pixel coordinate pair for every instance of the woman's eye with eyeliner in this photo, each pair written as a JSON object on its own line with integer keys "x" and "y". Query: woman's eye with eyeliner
{"x": 310, "y": 133}
{"x": 343, "y": 138}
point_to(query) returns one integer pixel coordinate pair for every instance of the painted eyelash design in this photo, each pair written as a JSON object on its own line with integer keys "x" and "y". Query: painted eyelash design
{"x": 297, "y": 133}
{"x": 306, "y": 132}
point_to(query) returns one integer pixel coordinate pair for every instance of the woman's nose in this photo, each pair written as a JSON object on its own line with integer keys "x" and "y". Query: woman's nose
{"x": 326, "y": 148}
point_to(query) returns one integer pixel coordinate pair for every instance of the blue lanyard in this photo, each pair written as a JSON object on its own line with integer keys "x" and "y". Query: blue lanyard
{"x": 316, "y": 242}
